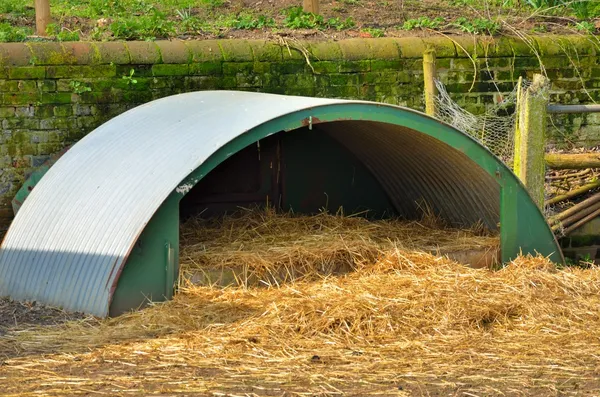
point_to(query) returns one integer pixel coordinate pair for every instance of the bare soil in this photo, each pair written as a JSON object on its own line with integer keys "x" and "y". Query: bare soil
{"x": 18, "y": 315}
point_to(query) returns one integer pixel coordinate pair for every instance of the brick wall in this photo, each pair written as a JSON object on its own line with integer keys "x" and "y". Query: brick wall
{"x": 52, "y": 94}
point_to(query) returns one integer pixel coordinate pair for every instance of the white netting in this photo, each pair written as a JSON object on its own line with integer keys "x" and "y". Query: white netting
{"x": 494, "y": 129}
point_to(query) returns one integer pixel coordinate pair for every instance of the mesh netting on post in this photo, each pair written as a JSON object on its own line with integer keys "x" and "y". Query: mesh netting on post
{"x": 494, "y": 129}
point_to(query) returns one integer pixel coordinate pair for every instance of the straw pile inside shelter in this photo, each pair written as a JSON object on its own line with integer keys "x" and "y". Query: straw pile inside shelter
{"x": 259, "y": 246}
{"x": 404, "y": 323}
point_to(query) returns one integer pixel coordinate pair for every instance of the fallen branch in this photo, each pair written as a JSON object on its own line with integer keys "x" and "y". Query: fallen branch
{"x": 572, "y": 161}
{"x": 569, "y": 176}
{"x": 574, "y": 193}
{"x": 582, "y": 222}
{"x": 576, "y": 208}
{"x": 576, "y": 217}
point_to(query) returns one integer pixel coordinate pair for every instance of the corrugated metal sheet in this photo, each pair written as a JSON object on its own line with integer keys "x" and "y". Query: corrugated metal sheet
{"x": 413, "y": 167}
{"x": 72, "y": 235}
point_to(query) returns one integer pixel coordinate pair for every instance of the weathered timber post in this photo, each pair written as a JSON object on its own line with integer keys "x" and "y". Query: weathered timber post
{"x": 530, "y": 137}
{"x": 42, "y": 16}
{"x": 311, "y": 6}
{"x": 429, "y": 80}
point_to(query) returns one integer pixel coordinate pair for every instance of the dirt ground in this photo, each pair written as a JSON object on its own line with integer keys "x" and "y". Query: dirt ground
{"x": 17, "y": 315}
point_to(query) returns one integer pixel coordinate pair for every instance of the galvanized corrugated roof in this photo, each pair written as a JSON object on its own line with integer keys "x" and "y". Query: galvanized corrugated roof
{"x": 71, "y": 238}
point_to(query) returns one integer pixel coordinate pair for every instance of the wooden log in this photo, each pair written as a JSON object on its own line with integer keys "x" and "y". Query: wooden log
{"x": 568, "y": 176}
{"x": 530, "y": 137}
{"x": 311, "y": 6}
{"x": 574, "y": 193}
{"x": 429, "y": 81}
{"x": 573, "y": 161}
{"x": 576, "y": 208}
{"x": 42, "y": 16}
{"x": 576, "y": 217}
{"x": 582, "y": 222}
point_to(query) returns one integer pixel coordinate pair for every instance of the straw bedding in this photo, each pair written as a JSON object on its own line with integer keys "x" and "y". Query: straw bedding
{"x": 269, "y": 247}
{"x": 408, "y": 323}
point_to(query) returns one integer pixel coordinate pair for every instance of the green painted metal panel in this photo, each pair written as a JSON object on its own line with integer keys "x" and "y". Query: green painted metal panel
{"x": 319, "y": 173}
{"x": 153, "y": 264}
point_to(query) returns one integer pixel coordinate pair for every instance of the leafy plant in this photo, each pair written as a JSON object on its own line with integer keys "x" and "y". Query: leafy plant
{"x": 477, "y": 25}
{"x": 537, "y": 4}
{"x": 78, "y": 87}
{"x": 107, "y": 7}
{"x": 338, "y": 24}
{"x": 423, "y": 23}
{"x": 213, "y": 3}
{"x": 9, "y": 33}
{"x": 296, "y": 18}
{"x": 129, "y": 78}
{"x": 247, "y": 21}
{"x": 584, "y": 9}
{"x": 61, "y": 34}
{"x": 374, "y": 32}
{"x": 145, "y": 27}
{"x": 585, "y": 26}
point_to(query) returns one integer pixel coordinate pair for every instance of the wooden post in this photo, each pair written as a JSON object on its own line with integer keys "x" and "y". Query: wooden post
{"x": 311, "y": 6}
{"x": 42, "y": 16}
{"x": 429, "y": 80}
{"x": 530, "y": 137}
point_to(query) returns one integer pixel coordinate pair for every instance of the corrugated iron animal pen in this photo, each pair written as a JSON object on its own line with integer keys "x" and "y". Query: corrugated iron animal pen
{"x": 100, "y": 231}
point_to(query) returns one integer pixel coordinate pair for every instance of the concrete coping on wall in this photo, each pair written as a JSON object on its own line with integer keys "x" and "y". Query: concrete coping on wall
{"x": 235, "y": 50}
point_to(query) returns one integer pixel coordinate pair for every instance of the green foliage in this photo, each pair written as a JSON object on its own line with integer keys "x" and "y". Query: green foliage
{"x": 585, "y": 9}
{"x": 16, "y": 7}
{"x": 296, "y": 18}
{"x": 477, "y": 25}
{"x": 374, "y": 32}
{"x": 339, "y": 24}
{"x": 423, "y": 23}
{"x": 129, "y": 78}
{"x": 78, "y": 87}
{"x": 248, "y": 21}
{"x": 585, "y": 26}
{"x": 584, "y": 262}
{"x": 61, "y": 34}
{"x": 213, "y": 3}
{"x": 144, "y": 27}
{"x": 107, "y": 7}
{"x": 9, "y": 33}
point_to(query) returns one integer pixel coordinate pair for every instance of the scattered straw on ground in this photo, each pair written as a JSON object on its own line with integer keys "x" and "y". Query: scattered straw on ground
{"x": 272, "y": 246}
{"x": 410, "y": 324}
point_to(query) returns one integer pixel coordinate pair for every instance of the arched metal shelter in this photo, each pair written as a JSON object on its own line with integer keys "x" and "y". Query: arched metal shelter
{"x": 99, "y": 233}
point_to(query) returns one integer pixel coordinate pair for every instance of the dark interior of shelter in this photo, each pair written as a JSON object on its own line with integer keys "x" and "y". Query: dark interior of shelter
{"x": 378, "y": 170}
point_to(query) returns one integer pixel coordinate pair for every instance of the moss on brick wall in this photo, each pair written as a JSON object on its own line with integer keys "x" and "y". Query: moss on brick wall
{"x": 52, "y": 94}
